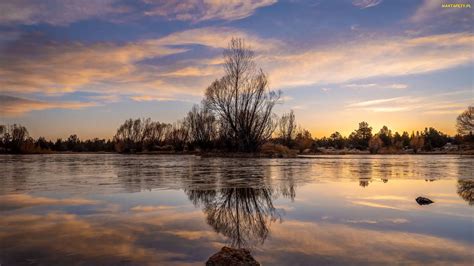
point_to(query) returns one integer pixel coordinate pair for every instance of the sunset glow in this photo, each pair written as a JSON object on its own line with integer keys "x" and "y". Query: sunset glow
{"x": 83, "y": 67}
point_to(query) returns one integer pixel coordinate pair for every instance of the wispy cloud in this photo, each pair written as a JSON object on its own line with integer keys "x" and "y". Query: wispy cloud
{"x": 55, "y": 12}
{"x": 12, "y": 106}
{"x": 196, "y": 11}
{"x": 119, "y": 69}
{"x": 431, "y": 105}
{"x": 374, "y": 85}
{"x": 25, "y": 200}
{"x": 429, "y": 10}
{"x": 376, "y": 102}
{"x": 366, "y": 3}
{"x": 370, "y": 58}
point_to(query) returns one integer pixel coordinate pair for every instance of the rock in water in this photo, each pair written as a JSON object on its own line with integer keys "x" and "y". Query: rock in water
{"x": 423, "y": 201}
{"x": 230, "y": 256}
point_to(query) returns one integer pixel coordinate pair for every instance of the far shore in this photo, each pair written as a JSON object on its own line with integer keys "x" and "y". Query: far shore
{"x": 257, "y": 155}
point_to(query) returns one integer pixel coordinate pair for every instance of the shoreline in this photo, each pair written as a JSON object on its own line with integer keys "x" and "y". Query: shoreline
{"x": 250, "y": 155}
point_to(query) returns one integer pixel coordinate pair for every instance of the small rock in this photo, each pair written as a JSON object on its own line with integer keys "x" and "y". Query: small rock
{"x": 423, "y": 201}
{"x": 231, "y": 256}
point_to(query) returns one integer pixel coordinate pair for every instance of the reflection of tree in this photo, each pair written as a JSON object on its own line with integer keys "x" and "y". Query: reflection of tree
{"x": 241, "y": 214}
{"x": 466, "y": 190}
{"x": 364, "y": 182}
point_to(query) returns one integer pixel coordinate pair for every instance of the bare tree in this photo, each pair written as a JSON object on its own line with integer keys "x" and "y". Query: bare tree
{"x": 202, "y": 126}
{"x": 465, "y": 121}
{"x": 178, "y": 135}
{"x": 287, "y": 128}
{"x": 140, "y": 134}
{"x": 13, "y": 137}
{"x": 242, "y": 100}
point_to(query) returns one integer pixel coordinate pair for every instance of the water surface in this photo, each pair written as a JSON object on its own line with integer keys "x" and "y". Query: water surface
{"x": 108, "y": 209}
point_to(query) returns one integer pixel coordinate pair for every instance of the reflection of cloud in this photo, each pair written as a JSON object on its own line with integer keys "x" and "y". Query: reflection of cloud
{"x": 361, "y": 221}
{"x": 15, "y": 106}
{"x": 374, "y": 205}
{"x": 44, "y": 238}
{"x": 25, "y": 200}
{"x": 330, "y": 243}
{"x": 147, "y": 98}
{"x": 141, "y": 208}
{"x": 205, "y": 10}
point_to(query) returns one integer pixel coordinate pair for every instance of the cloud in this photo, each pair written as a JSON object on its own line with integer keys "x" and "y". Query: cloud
{"x": 374, "y": 85}
{"x": 12, "y": 106}
{"x": 33, "y": 64}
{"x": 362, "y": 4}
{"x": 197, "y": 11}
{"x": 55, "y": 12}
{"x": 430, "y": 10}
{"x": 441, "y": 103}
{"x": 376, "y": 102}
{"x": 360, "y": 59}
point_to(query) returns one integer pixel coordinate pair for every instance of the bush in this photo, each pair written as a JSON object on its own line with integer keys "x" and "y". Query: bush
{"x": 276, "y": 150}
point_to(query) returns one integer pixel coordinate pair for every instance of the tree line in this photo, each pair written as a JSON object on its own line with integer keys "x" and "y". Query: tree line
{"x": 236, "y": 115}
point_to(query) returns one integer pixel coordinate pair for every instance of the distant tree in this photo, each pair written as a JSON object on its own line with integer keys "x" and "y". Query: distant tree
{"x": 397, "y": 141}
{"x": 465, "y": 122}
{"x": 202, "y": 126}
{"x": 60, "y": 145}
{"x": 73, "y": 143}
{"x": 178, "y": 135}
{"x": 375, "y": 144}
{"x": 405, "y": 139}
{"x": 417, "y": 142}
{"x": 287, "y": 129}
{"x": 139, "y": 134}
{"x": 385, "y": 136}
{"x": 17, "y": 135}
{"x": 242, "y": 100}
{"x": 303, "y": 140}
{"x": 43, "y": 144}
{"x": 359, "y": 139}
{"x": 434, "y": 139}
{"x": 337, "y": 140}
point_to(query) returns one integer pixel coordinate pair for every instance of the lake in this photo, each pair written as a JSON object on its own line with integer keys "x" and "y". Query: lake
{"x": 110, "y": 209}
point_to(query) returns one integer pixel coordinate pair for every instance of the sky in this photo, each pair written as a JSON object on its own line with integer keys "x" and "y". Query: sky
{"x": 83, "y": 67}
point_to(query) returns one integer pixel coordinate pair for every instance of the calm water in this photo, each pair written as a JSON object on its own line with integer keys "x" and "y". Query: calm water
{"x": 110, "y": 209}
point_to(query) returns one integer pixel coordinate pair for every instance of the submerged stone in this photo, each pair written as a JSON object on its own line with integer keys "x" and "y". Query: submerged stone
{"x": 423, "y": 201}
{"x": 231, "y": 256}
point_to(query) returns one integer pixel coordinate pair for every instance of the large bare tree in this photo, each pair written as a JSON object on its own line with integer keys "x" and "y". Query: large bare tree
{"x": 242, "y": 100}
{"x": 465, "y": 121}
